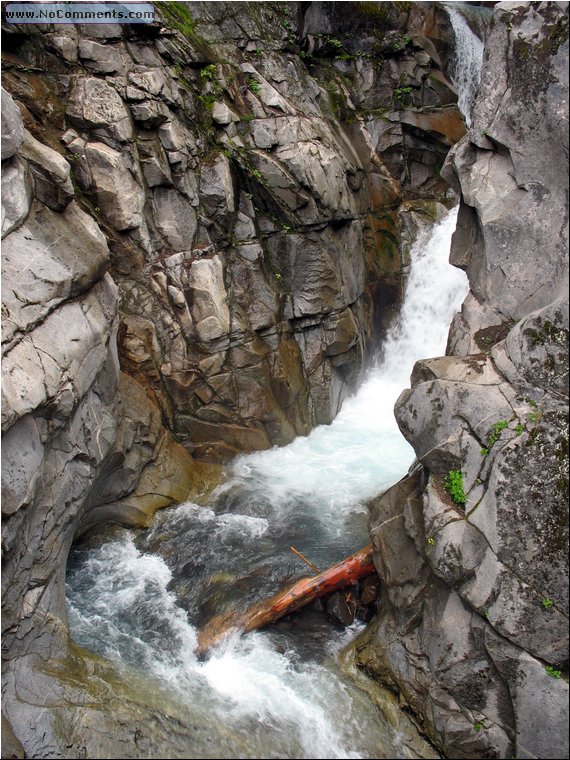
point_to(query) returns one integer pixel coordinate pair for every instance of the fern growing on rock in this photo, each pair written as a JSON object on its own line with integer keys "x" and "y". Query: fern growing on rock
{"x": 453, "y": 484}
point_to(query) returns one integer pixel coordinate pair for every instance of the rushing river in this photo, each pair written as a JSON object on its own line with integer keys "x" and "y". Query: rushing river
{"x": 139, "y": 598}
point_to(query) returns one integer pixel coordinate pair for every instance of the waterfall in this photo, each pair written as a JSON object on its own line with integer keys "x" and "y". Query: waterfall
{"x": 139, "y": 598}
{"x": 362, "y": 452}
{"x": 467, "y": 61}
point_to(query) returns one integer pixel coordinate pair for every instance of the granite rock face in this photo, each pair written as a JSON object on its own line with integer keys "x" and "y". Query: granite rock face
{"x": 288, "y": 188}
{"x": 203, "y": 224}
{"x": 80, "y": 445}
{"x": 12, "y": 127}
{"x": 476, "y": 647}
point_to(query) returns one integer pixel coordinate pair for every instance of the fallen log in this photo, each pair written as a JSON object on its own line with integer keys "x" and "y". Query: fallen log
{"x": 345, "y": 573}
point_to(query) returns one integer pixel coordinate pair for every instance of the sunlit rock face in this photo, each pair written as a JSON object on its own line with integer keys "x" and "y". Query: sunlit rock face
{"x": 474, "y": 632}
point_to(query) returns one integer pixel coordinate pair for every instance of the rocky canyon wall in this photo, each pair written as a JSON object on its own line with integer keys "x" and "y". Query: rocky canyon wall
{"x": 472, "y": 547}
{"x": 205, "y": 220}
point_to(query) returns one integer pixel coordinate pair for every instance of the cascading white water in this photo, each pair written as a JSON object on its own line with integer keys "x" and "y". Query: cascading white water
{"x": 362, "y": 452}
{"x": 467, "y": 62}
{"x": 253, "y": 698}
{"x": 267, "y": 695}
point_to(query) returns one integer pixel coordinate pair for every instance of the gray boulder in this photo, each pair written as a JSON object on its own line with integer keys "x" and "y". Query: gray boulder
{"x": 252, "y": 288}
{"x": 120, "y": 197}
{"x": 16, "y": 194}
{"x": 41, "y": 369}
{"x": 323, "y": 270}
{"x": 217, "y": 191}
{"x": 64, "y": 42}
{"x": 41, "y": 268}
{"x": 96, "y": 105}
{"x": 154, "y": 163}
{"x": 12, "y": 126}
{"x": 102, "y": 59}
{"x": 209, "y": 298}
{"x": 175, "y": 218}
{"x": 51, "y": 173}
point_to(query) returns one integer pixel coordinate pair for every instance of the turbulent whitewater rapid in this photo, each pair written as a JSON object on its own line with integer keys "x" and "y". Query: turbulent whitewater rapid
{"x": 138, "y": 599}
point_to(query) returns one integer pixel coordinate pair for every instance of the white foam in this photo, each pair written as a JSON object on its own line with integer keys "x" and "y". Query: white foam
{"x": 272, "y": 703}
{"x": 338, "y": 466}
{"x": 119, "y": 601}
{"x": 121, "y": 607}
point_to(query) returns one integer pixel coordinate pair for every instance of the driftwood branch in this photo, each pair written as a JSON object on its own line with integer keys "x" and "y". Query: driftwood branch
{"x": 291, "y": 599}
{"x": 305, "y": 560}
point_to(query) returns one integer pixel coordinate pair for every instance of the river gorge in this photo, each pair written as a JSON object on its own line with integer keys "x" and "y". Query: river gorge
{"x": 274, "y": 275}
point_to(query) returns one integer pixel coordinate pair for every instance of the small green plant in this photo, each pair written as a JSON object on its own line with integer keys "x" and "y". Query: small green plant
{"x": 278, "y": 276}
{"x": 478, "y": 726}
{"x": 431, "y": 541}
{"x": 402, "y": 43}
{"x": 484, "y": 451}
{"x": 403, "y": 94}
{"x": 453, "y": 484}
{"x": 210, "y": 72}
{"x": 207, "y": 99}
{"x": 519, "y": 429}
{"x": 484, "y": 133}
{"x": 253, "y": 85}
{"x": 547, "y": 603}
{"x": 552, "y": 672}
{"x": 531, "y": 402}
{"x": 496, "y": 431}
